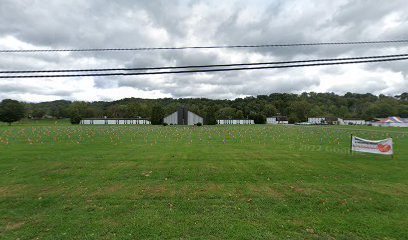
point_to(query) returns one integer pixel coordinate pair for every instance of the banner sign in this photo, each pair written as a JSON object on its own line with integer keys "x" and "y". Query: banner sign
{"x": 383, "y": 147}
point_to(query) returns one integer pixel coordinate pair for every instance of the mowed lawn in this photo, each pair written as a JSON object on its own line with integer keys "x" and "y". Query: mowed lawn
{"x": 209, "y": 182}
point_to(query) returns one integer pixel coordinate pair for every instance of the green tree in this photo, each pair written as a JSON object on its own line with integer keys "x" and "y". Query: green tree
{"x": 403, "y": 96}
{"x": 343, "y": 112}
{"x": 11, "y": 111}
{"x": 403, "y": 111}
{"x": 299, "y": 110}
{"x": 382, "y": 109}
{"x": 258, "y": 118}
{"x": 157, "y": 115}
{"x": 270, "y": 110}
{"x": 316, "y": 111}
{"x": 239, "y": 114}
{"x": 38, "y": 113}
{"x": 293, "y": 118}
{"x": 296, "y": 106}
{"x": 75, "y": 118}
{"x": 210, "y": 118}
{"x": 59, "y": 111}
{"x": 227, "y": 113}
{"x": 118, "y": 111}
{"x": 79, "y": 110}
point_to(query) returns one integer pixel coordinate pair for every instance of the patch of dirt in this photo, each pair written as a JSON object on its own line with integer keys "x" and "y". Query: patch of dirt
{"x": 110, "y": 189}
{"x": 264, "y": 190}
{"x": 211, "y": 187}
{"x": 14, "y": 226}
{"x": 157, "y": 189}
{"x": 121, "y": 165}
{"x": 111, "y": 222}
{"x": 113, "y": 188}
{"x": 310, "y": 230}
{"x": 298, "y": 222}
{"x": 7, "y": 191}
{"x": 296, "y": 188}
{"x": 301, "y": 189}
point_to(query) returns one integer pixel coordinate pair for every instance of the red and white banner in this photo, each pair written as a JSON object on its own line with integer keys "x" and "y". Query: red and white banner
{"x": 383, "y": 147}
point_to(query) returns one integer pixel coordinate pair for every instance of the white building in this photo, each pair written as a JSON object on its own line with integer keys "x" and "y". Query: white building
{"x": 324, "y": 120}
{"x": 183, "y": 117}
{"x": 235, "y": 121}
{"x": 100, "y": 121}
{"x": 277, "y": 120}
{"x": 353, "y": 122}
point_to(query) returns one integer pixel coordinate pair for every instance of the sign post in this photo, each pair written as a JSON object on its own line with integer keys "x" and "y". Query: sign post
{"x": 392, "y": 155}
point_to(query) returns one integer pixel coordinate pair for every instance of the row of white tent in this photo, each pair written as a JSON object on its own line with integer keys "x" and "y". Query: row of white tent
{"x": 145, "y": 121}
{"x": 335, "y": 121}
{"x": 168, "y": 120}
{"x": 236, "y": 121}
{"x": 381, "y": 122}
{"x": 114, "y": 121}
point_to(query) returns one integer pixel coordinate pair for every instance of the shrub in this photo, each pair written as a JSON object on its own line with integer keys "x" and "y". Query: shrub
{"x": 75, "y": 119}
{"x": 258, "y": 118}
{"x": 11, "y": 111}
{"x": 199, "y": 124}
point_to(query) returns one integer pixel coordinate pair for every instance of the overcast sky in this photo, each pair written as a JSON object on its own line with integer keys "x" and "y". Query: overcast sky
{"x": 48, "y": 24}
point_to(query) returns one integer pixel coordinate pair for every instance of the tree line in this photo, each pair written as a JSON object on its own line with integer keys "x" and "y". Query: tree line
{"x": 297, "y": 107}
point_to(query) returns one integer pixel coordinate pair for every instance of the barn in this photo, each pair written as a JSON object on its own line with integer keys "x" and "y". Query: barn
{"x": 110, "y": 121}
{"x": 183, "y": 117}
{"x": 277, "y": 120}
{"x": 235, "y": 121}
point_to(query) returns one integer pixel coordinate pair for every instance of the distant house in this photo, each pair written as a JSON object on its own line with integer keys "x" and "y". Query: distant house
{"x": 353, "y": 122}
{"x": 100, "y": 121}
{"x": 324, "y": 120}
{"x": 235, "y": 121}
{"x": 391, "y": 122}
{"x": 183, "y": 117}
{"x": 277, "y": 120}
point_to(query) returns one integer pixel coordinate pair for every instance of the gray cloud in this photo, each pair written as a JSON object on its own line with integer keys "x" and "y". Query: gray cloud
{"x": 126, "y": 23}
{"x": 363, "y": 86}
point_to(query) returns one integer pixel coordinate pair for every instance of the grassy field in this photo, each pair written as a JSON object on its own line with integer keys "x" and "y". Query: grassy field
{"x": 210, "y": 182}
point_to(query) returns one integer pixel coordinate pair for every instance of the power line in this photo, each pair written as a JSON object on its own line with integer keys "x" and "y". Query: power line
{"x": 203, "y": 66}
{"x": 201, "y": 47}
{"x": 205, "y": 70}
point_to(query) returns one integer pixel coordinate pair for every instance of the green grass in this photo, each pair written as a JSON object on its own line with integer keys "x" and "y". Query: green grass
{"x": 39, "y": 122}
{"x": 210, "y": 182}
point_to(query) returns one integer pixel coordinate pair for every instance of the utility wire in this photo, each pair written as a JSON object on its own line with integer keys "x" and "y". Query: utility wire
{"x": 201, "y": 66}
{"x": 205, "y": 70}
{"x": 201, "y": 47}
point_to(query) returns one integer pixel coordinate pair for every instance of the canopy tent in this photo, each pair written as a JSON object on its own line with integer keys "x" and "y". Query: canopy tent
{"x": 392, "y": 122}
